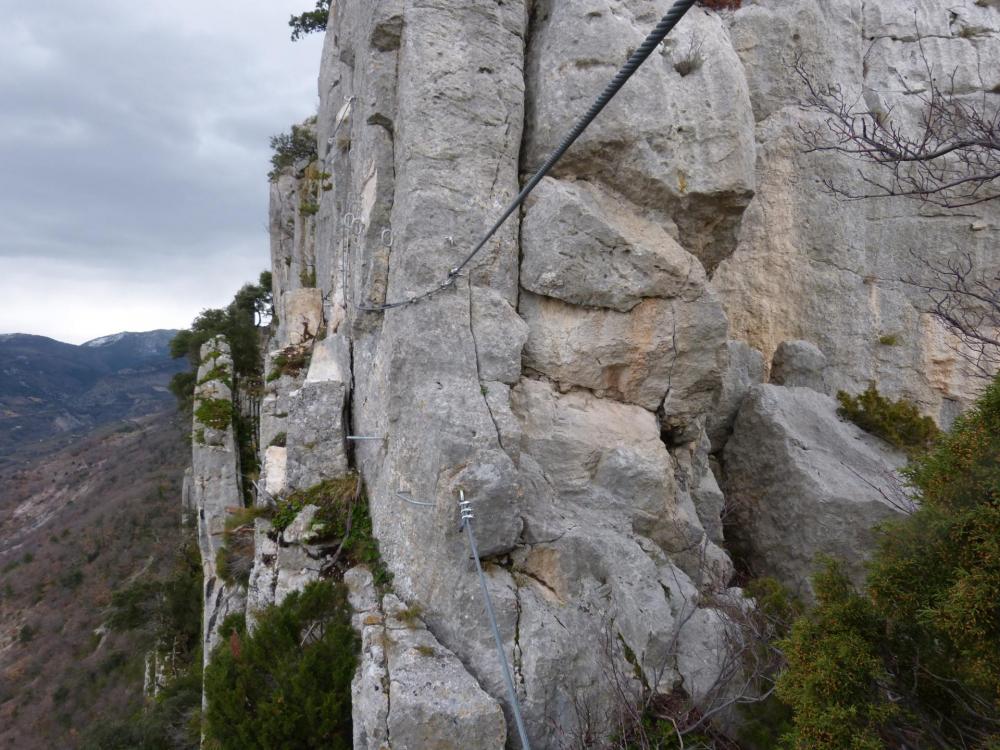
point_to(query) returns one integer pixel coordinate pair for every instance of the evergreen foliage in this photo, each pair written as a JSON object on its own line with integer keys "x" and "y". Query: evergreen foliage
{"x": 216, "y": 413}
{"x": 310, "y": 21}
{"x": 299, "y": 144}
{"x": 899, "y": 423}
{"x": 913, "y": 661}
{"x": 239, "y": 322}
{"x": 286, "y": 686}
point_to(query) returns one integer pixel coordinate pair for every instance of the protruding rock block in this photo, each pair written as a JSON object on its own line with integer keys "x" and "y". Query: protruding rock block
{"x": 581, "y": 245}
{"x": 745, "y": 369}
{"x": 664, "y": 354}
{"x": 799, "y": 364}
{"x": 300, "y": 316}
{"x": 802, "y": 483}
{"x": 315, "y": 434}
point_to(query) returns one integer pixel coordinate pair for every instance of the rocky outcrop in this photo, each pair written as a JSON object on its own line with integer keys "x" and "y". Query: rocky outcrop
{"x": 801, "y": 483}
{"x": 799, "y": 364}
{"x": 553, "y": 379}
{"x": 434, "y": 702}
{"x": 575, "y": 379}
{"x": 215, "y": 482}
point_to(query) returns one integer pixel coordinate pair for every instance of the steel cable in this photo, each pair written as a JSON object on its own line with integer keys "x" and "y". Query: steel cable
{"x": 515, "y": 705}
{"x": 636, "y": 59}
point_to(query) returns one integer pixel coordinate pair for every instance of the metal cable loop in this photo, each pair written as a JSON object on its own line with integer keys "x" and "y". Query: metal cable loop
{"x": 636, "y": 59}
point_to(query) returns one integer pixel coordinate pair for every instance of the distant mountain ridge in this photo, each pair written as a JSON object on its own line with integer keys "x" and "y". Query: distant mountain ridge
{"x": 49, "y": 388}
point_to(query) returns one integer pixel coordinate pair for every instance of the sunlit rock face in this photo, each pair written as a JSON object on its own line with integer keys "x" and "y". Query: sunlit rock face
{"x": 808, "y": 265}
{"x": 580, "y": 379}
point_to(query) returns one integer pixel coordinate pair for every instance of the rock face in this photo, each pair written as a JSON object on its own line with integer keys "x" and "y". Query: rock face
{"x": 801, "y": 483}
{"x": 434, "y": 703}
{"x": 214, "y": 487}
{"x": 810, "y": 266}
{"x": 574, "y": 379}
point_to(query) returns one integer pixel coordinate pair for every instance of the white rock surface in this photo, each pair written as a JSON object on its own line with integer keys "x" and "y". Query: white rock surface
{"x": 573, "y": 380}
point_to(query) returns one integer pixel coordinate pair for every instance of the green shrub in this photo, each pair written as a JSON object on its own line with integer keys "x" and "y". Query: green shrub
{"x": 915, "y": 659}
{"x": 288, "y": 684}
{"x": 220, "y": 373}
{"x": 889, "y": 339}
{"x": 297, "y": 145}
{"x": 338, "y": 499}
{"x": 234, "y": 559}
{"x": 279, "y": 440}
{"x": 216, "y": 413}
{"x": 835, "y": 671}
{"x": 899, "y": 423}
{"x": 290, "y": 361}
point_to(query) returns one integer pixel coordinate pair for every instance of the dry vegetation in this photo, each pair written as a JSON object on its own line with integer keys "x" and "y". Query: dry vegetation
{"x": 76, "y": 525}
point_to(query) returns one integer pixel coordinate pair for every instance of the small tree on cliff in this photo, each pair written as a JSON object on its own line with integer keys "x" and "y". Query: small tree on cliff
{"x": 239, "y": 322}
{"x": 950, "y": 158}
{"x": 310, "y": 21}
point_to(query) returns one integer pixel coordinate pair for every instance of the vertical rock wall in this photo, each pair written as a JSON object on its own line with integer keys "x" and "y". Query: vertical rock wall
{"x": 565, "y": 380}
{"x": 215, "y": 482}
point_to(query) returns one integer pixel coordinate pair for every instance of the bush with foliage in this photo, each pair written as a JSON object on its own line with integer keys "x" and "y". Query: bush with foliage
{"x": 239, "y": 322}
{"x": 287, "y": 684}
{"x": 343, "y": 516}
{"x": 216, "y": 413}
{"x": 299, "y": 144}
{"x": 235, "y": 558}
{"x": 899, "y": 423}
{"x": 913, "y": 661}
{"x": 310, "y": 21}
{"x": 290, "y": 361}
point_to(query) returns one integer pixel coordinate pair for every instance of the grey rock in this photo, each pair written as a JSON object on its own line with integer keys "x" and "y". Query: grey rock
{"x": 652, "y": 147}
{"x": 664, "y": 354}
{"x": 799, "y": 364}
{"x": 499, "y": 334}
{"x": 802, "y": 483}
{"x": 331, "y": 361}
{"x": 583, "y": 246}
{"x": 746, "y": 368}
{"x": 300, "y": 530}
{"x": 214, "y": 489}
{"x": 315, "y": 434}
{"x": 410, "y": 691}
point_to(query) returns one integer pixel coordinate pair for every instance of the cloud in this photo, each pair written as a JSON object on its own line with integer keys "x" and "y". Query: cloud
{"x": 134, "y": 144}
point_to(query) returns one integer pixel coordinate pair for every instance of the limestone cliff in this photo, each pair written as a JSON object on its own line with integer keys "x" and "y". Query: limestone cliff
{"x": 580, "y": 378}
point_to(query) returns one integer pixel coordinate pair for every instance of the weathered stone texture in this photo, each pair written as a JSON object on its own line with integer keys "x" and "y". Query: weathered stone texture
{"x": 410, "y": 691}
{"x": 214, "y": 490}
{"x": 801, "y": 483}
{"x": 575, "y": 377}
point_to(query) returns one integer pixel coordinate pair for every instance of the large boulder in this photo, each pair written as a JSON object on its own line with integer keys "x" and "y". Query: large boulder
{"x": 801, "y": 483}
{"x": 316, "y": 448}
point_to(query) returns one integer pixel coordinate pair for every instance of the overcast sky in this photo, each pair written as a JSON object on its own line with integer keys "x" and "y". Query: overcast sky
{"x": 134, "y": 154}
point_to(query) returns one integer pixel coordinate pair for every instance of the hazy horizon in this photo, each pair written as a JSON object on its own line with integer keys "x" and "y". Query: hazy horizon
{"x": 134, "y": 139}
